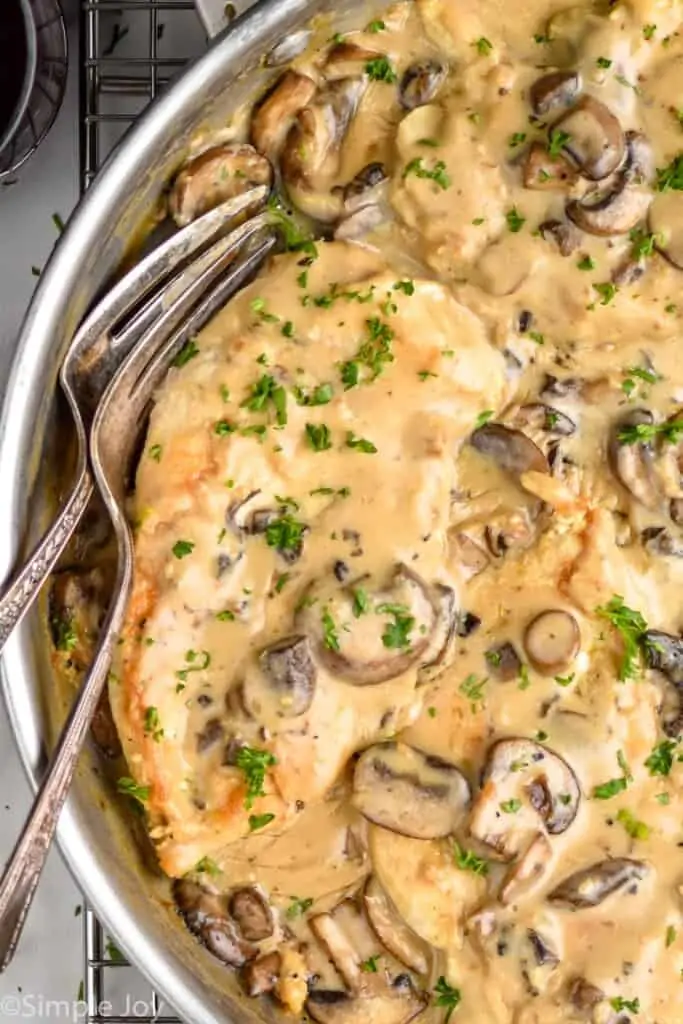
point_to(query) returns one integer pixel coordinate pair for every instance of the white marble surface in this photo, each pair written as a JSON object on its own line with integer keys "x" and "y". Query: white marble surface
{"x": 44, "y": 979}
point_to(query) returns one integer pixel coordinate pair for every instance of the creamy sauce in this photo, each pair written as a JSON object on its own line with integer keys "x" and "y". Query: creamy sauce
{"x": 320, "y": 433}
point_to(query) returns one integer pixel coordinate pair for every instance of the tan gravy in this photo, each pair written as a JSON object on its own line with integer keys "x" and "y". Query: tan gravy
{"x": 355, "y": 411}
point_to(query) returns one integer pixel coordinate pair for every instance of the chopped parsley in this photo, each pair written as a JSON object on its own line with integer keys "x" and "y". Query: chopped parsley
{"x": 129, "y": 787}
{"x": 369, "y": 966}
{"x": 376, "y": 26}
{"x": 298, "y": 907}
{"x": 321, "y": 395}
{"x": 446, "y": 996}
{"x": 631, "y": 626}
{"x": 257, "y": 821}
{"x": 359, "y": 444}
{"x": 670, "y": 936}
{"x": 649, "y": 31}
{"x": 296, "y": 239}
{"x": 636, "y": 829}
{"x": 187, "y": 352}
{"x": 483, "y": 418}
{"x": 287, "y": 329}
{"x": 380, "y": 69}
{"x": 565, "y": 680}
{"x": 152, "y": 724}
{"x": 637, "y": 433}
{"x": 473, "y": 689}
{"x": 281, "y": 582}
{"x": 606, "y": 290}
{"x": 515, "y": 221}
{"x": 586, "y": 263}
{"x": 374, "y": 353}
{"x": 225, "y": 616}
{"x": 330, "y": 634}
{"x": 265, "y": 391}
{"x": 318, "y": 436}
{"x": 483, "y": 46}
{"x": 407, "y": 287}
{"x": 285, "y": 533}
{"x": 253, "y": 763}
{"x": 671, "y": 176}
{"x": 660, "y": 761}
{"x": 206, "y": 866}
{"x": 396, "y": 635}
{"x": 511, "y": 806}
{"x": 618, "y": 1003}
{"x": 516, "y": 139}
{"x": 154, "y": 452}
{"x": 604, "y": 62}
{"x": 466, "y": 860}
{"x": 643, "y": 243}
{"x": 183, "y": 548}
{"x": 196, "y": 661}
{"x": 361, "y": 602}
{"x": 259, "y": 307}
{"x": 557, "y": 140}
{"x": 223, "y": 428}
{"x": 438, "y": 173}
{"x": 65, "y": 635}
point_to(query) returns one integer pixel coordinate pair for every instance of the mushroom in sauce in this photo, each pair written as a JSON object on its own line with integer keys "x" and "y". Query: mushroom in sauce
{"x": 593, "y": 138}
{"x": 273, "y": 117}
{"x": 554, "y": 90}
{"x": 552, "y": 640}
{"x": 391, "y": 929}
{"x": 524, "y": 785}
{"x": 213, "y": 177}
{"x": 421, "y": 82}
{"x": 252, "y": 914}
{"x": 615, "y": 210}
{"x": 284, "y": 681}
{"x": 511, "y": 449}
{"x": 590, "y": 886}
{"x": 409, "y": 792}
{"x": 206, "y": 915}
{"x": 370, "y": 635}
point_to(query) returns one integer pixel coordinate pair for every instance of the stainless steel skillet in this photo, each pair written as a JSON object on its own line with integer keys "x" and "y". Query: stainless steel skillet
{"x": 94, "y": 839}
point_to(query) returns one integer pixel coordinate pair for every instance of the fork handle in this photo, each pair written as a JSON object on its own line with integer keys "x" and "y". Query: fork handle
{"x": 24, "y": 867}
{"x": 21, "y": 591}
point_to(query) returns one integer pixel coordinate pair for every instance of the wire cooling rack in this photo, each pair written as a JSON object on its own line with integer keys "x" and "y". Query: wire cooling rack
{"x": 129, "y": 50}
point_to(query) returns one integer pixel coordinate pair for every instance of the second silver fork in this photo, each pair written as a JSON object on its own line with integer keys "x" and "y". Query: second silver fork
{"x": 116, "y": 427}
{"x": 96, "y": 353}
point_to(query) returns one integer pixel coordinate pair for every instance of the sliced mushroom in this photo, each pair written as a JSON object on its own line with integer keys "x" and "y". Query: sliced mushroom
{"x": 512, "y": 450}
{"x": 261, "y": 975}
{"x": 659, "y": 541}
{"x": 503, "y": 662}
{"x": 565, "y": 236}
{"x": 392, "y": 931}
{"x": 340, "y": 948}
{"x": 552, "y": 640}
{"x": 613, "y": 211}
{"x": 286, "y": 681}
{"x": 348, "y": 60}
{"x": 409, "y": 792}
{"x": 252, "y": 914}
{"x": 215, "y": 176}
{"x": 633, "y": 463}
{"x": 566, "y": 387}
{"x": 539, "y": 418}
{"x": 365, "y": 202}
{"x": 212, "y": 733}
{"x": 583, "y": 995}
{"x": 395, "y": 1002}
{"x": 359, "y": 224}
{"x": 311, "y": 155}
{"x": 421, "y": 82}
{"x": 595, "y": 140}
{"x": 274, "y": 115}
{"x": 554, "y": 90}
{"x": 471, "y": 555}
{"x": 665, "y": 221}
{"x": 527, "y": 873}
{"x": 664, "y": 652}
{"x": 543, "y": 172}
{"x": 379, "y": 642}
{"x": 639, "y": 167}
{"x": 628, "y": 272}
{"x": 524, "y": 785}
{"x": 438, "y": 654}
{"x": 359, "y": 190}
{"x": 590, "y": 886}
{"x": 206, "y": 915}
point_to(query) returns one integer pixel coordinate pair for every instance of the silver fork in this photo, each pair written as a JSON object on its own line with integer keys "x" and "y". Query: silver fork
{"x": 116, "y": 427}
{"x": 94, "y": 355}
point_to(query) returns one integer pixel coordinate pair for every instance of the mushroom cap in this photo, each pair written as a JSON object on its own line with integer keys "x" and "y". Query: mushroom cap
{"x": 511, "y": 449}
{"x": 409, "y": 792}
{"x": 614, "y": 211}
{"x": 392, "y": 930}
{"x": 215, "y": 176}
{"x": 590, "y": 886}
{"x": 596, "y": 141}
{"x": 526, "y": 788}
{"x": 552, "y": 640}
{"x": 553, "y": 90}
